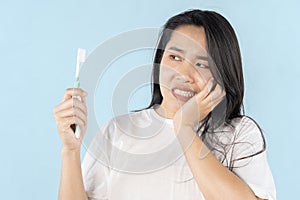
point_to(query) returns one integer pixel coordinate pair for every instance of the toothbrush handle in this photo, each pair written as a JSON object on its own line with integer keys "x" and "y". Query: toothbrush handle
{"x": 75, "y": 127}
{"x": 76, "y": 130}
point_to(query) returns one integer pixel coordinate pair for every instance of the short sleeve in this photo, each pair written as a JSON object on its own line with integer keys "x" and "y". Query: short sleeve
{"x": 250, "y": 159}
{"x": 95, "y": 169}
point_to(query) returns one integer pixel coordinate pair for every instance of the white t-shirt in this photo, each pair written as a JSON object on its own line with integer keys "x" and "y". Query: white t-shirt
{"x": 137, "y": 157}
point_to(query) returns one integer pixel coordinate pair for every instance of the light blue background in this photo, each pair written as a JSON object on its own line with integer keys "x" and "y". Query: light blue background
{"x": 38, "y": 44}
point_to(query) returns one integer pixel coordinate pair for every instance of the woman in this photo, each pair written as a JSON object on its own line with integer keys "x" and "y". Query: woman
{"x": 197, "y": 97}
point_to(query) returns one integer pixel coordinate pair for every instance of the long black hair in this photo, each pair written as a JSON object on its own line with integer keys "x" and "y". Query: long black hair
{"x": 224, "y": 51}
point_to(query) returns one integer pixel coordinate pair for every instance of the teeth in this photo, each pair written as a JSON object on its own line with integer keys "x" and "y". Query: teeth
{"x": 188, "y": 94}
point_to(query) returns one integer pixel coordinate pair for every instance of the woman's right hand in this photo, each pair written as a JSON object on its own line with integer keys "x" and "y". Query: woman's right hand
{"x": 71, "y": 111}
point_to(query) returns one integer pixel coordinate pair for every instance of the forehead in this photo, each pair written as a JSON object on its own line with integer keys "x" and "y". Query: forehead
{"x": 190, "y": 38}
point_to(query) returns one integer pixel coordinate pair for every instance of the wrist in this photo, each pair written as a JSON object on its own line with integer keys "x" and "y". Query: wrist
{"x": 70, "y": 152}
{"x": 181, "y": 123}
{"x": 181, "y": 128}
{"x": 185, "y": 135}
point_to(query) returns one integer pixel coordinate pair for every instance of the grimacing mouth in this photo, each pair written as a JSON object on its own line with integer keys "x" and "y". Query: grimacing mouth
{"x": 185, "y": 92}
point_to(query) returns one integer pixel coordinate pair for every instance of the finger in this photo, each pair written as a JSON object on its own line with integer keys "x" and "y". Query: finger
{"x": 70, "y": 92}
{"x": 74, "y": 112}
{"x": 66, "y": 123}
{"x": 68, "y": 104}
{"x": 71, "y": 113}
{"x": 83, "y": 99}
{"x": 214, "y": 98}
{"x": 214, "y": 94}
{"x": 213, "y": 86}
{"x": 79, "y": 104}
{"x": 79, "y": 122}
{"x": 206, "y": 90}
{"x": 213, "y": 104}
{"x": 71, "y": 103}
{"x": 218, "y": 91}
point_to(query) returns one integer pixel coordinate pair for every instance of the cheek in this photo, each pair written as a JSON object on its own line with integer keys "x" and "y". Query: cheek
{"x": 166, "y": 76}
{"x": 204, "y": 74}
{"x": 207, "y": 75}
{"x": 168, "y": 70}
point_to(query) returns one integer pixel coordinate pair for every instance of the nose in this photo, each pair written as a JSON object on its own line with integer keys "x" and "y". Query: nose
{"x": 186, "y": 72}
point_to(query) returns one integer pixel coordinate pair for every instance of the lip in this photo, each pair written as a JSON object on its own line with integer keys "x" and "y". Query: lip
{"x": 180, "y": 97}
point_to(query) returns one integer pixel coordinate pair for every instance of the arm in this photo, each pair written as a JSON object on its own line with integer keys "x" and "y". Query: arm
{"x": 213, "y": 179}
{"x": 71, "y": 184}
{"x": 71, "y": 111}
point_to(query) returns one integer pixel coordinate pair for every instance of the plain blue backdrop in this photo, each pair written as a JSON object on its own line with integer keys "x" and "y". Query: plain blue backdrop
{"x": 38, "y": 44}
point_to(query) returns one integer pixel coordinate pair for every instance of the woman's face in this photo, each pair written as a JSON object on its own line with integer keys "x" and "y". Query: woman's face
{"x": 184, "y": 68}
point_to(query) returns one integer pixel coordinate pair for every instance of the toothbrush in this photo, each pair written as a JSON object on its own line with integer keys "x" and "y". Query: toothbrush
{"x": 81, "y": 56}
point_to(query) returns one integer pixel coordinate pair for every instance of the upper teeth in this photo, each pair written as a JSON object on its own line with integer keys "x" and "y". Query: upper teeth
{"x": 184, "y": 93}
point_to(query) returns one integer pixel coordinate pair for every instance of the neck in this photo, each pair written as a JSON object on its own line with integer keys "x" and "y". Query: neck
{"x": 165, "y": 112}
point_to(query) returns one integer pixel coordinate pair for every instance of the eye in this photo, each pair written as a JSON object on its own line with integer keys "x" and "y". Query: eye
{"x": 176, "y": 58}
{"x": 202, "y": 65}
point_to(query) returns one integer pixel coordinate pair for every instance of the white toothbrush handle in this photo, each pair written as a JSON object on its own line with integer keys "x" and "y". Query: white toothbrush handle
{"x": 81, "y": 55}
{"x": 77, "y": 129}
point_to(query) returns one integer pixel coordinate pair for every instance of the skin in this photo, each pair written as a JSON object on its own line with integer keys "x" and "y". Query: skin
{"x": 71, "y": 111}
{"x": 185, "y": 66}
{"x": 214, "y": 180}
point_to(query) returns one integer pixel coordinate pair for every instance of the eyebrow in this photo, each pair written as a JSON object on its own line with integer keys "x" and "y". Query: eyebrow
{"x": 182, "y": 51}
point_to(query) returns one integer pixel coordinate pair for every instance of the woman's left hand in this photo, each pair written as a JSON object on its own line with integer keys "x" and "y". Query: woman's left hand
{"x": 199, "y": 106}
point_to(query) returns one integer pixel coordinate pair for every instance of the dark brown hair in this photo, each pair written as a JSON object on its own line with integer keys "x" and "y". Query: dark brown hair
{"x": 224, "y": 51}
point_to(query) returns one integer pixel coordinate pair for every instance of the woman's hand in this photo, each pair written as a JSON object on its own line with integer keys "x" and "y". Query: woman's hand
{"x": 71, "y": 111}
{"x": 199, "y": 106}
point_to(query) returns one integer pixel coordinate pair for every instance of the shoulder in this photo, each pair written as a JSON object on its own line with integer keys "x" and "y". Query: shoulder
{"x": 248, "y": 134}
{"x": 246, "y": 127}
{"x": 128, "y": 121}
{"x": 244, "y": 120}
{"x": 134, "y": 118}
{"x": 118, "y": 129}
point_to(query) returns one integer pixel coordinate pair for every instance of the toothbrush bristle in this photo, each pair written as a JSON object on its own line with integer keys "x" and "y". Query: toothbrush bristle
{"x": 81, "y": 55}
